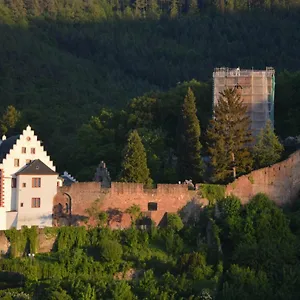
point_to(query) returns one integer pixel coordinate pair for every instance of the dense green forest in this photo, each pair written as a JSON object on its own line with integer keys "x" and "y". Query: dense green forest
{"x": 230, "y": 252}
{"x": 85, "y": 73}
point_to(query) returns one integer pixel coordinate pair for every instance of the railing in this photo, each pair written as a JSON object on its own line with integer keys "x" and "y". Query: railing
{"x": 237, "y": 72}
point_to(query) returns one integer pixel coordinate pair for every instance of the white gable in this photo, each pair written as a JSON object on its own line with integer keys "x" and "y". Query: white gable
{"x": 33, "y": 150}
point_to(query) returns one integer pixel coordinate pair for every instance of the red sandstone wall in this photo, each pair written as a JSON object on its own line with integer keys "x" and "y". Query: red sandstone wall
{"x": 169, "y": 198}
{"x": 281, "y": 182}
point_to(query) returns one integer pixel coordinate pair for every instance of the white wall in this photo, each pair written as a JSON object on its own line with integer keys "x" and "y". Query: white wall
{"x": 28, "y": 215}
{"x": 11, "y": 219}
{"x": 2, "y": 218}
{"x": 10, "y": 195}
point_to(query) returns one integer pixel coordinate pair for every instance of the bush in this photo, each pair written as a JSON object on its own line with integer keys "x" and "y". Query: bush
{"x": 111, "y": 250}
{"x": 174, "y": 222}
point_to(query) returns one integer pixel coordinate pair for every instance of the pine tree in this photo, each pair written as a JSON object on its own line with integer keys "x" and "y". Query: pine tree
{"x": 134, "y": 166}
{"x": 230, "y": 137}
{"x": 268, "y": 149}
{"x": 190, "y": 165}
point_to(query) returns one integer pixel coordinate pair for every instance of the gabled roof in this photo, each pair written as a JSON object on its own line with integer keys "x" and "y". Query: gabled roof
{"x": 36, "y": 167}
{"x": 6, "y": 146}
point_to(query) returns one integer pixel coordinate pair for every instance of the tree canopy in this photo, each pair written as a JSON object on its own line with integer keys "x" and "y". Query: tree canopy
{"x": 134, "y": 165}
{"x": 229, "y": 136}
{"x": 268, "y": 149}
{"x": 190, "y": 165}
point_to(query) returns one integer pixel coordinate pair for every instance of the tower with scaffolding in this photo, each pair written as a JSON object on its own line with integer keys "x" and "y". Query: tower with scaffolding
{"x": 257, "y": 90}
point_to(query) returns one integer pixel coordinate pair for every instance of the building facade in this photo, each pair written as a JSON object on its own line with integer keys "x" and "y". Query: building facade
{"x": 28, "y": 182}
{"x": 257, "y": 90}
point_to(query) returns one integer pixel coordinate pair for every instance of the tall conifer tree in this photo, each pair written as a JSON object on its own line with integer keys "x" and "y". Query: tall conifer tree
{"x": 229, "y": 137}
{"x": 134, "y": 166}
{"x": 268, "y": 149}
{"x": 190, "y": 165}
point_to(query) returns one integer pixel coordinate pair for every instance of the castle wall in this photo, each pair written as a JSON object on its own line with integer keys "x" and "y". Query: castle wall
{"x": 281, "y": 182}
{"x": 115, "y": 200}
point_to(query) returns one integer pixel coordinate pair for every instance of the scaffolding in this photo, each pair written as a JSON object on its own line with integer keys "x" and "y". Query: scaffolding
{"x": 257, "y": 90}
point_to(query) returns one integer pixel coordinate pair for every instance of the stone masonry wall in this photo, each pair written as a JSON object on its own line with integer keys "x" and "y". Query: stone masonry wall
{"x": 115, "y": 200}
{"x": 281, "y": 182}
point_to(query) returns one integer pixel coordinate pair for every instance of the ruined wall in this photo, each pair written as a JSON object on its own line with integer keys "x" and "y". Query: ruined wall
{"x": 281, "y": 182}
{"x": 115, "y": 200}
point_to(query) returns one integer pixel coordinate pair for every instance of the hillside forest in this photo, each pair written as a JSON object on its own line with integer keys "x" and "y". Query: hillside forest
{"x": 84, "y": 74}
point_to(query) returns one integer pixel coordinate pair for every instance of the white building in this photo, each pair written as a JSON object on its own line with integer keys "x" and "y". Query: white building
{"x": 28, "y": 182}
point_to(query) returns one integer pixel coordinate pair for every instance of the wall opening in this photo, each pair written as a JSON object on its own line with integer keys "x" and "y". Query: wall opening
{"x": 152, "y": 206}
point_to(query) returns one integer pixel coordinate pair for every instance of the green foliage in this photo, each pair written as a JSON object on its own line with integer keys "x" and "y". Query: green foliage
{"x": 212, "y": 192}
{"x": 55, "y": 52}
{"x": 173, "y": 242}
{"x": 22, "y": 241}
{"x": 244, "y": 283}
{"x": 229, "y": 137}
{"x": 134, "y": 211}
{"x": 9, "y": 120}
{"x": 267, "y": 150}
{"x": 233, "y": 252}
{"x": 189, "y": 159}
{"x": 121, "y": 290}
{"x": 174, "y": 222}
{"x": 110, "y": 251}
{"x": 69, "y": 237}
{"x": 102, "y": 218}
{"x": 134, "y": 166}
{"x": 251, "y": 179}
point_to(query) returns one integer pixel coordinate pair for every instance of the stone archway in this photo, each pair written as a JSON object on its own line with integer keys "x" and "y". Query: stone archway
{"x": 68, "y": 205}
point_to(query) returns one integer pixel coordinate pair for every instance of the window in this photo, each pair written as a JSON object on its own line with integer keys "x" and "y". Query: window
{"x": 152, "y": 206}
{"x": 36, "y": 202}
{"x": 24, "y": 184}
{"x": 21, "y": 204}
{"x": 32, "y": 150}
{"x": 23, "y": 149}
{"x": 16, "y": 162}
{"x": 36, "y": 182}
{"x": 14, "y": 182}
{"x": 28, "y": 161}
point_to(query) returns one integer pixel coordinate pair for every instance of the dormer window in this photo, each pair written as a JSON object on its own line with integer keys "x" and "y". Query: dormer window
{"x": 23, "y": 150}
